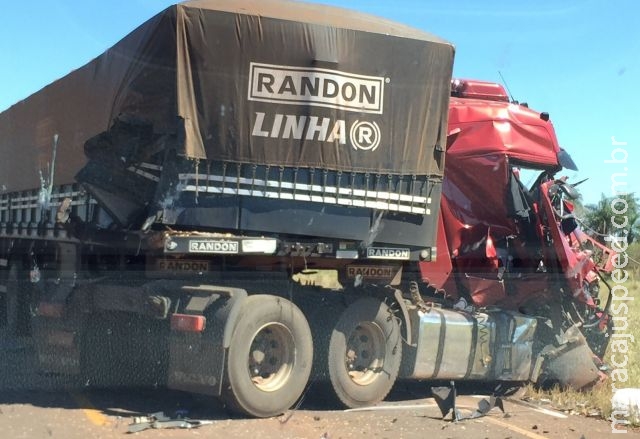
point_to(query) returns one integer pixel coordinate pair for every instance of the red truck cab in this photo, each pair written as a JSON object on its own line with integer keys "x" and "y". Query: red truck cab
{"x": 501, "y": 243}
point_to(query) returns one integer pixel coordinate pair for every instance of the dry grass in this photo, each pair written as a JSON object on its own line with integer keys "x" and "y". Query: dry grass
{"x": 597, "y": 401}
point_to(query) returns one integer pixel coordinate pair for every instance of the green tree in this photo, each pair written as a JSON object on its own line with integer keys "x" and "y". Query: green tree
{"x": 615, "y": 215}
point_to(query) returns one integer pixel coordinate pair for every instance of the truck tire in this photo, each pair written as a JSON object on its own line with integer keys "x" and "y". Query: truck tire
{"x": 269, "y": 358}
{"x": 365, "y": 352}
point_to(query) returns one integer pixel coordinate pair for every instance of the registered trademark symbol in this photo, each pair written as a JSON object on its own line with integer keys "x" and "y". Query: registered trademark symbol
{"x": 365, "y": 135}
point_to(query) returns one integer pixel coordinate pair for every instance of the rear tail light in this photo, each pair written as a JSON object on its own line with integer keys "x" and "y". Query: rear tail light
{"x": 188, "y": 322}
{"x": 49, "y": 309}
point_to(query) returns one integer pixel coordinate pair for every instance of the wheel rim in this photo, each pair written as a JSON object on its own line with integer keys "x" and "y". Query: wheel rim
{"x": 271, "y": 357}
{"x": 365, "y": 353}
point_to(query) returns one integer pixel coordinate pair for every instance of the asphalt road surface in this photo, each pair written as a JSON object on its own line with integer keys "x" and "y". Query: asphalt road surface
{"x": 38, "y": 406}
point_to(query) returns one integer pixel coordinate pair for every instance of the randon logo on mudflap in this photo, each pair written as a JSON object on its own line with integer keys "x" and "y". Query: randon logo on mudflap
{"x": 371, "y": 271}
{"x": 182, "y": 265}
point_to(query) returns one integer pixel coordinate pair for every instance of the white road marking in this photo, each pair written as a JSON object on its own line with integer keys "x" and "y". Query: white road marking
{"x": 392, "y": 407}
{"x": 548, "y": 412}
{"x": 554, "y": 413}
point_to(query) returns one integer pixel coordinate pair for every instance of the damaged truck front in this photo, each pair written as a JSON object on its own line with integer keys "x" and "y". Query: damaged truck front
{"x": 163, "y": 204}
{"x": 516, "y": 250}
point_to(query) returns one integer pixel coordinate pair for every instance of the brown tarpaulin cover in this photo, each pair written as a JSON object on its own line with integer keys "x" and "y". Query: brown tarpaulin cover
{"x": 267, "y": 81}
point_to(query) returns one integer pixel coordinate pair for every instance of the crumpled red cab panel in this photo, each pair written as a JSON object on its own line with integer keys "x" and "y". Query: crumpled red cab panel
{"x": 489, "y": 127}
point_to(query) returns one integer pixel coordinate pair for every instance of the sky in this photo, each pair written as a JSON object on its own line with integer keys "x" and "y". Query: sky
{"x": 578, "y": 60}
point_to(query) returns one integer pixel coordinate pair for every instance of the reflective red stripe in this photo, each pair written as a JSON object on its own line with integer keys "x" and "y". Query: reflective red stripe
{"x": 188, "y": 322}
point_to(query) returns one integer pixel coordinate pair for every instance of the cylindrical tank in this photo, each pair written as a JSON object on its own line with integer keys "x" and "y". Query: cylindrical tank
{"x": 480, "y": 345}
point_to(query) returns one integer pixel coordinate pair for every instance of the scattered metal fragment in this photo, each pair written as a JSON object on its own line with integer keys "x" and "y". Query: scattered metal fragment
{"x": 445, "y": 397}
{"x": 160, "y": 420}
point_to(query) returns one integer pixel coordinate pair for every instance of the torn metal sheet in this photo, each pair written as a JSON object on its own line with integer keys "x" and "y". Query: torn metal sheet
{"x": 569, "y": 364}
{"x": 445, "y": 397}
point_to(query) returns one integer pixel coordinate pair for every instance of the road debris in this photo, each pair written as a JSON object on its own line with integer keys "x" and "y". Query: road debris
{"x": 160, "y": 420}
{"x": 445, "y": 397}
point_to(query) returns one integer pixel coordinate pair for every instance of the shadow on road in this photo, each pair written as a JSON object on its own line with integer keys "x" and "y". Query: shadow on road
{"x": 20, "y": 383}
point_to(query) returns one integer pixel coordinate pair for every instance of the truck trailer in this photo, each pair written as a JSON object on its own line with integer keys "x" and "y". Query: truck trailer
{"x": 241, "y": 198}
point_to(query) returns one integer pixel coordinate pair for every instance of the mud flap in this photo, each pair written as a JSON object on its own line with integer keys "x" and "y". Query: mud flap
{"x": 196, "y": 360}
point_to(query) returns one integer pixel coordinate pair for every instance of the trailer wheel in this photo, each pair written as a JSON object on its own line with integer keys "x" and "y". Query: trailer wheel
{"x": 269, "y": 359}
{"x": 365, "y": 352}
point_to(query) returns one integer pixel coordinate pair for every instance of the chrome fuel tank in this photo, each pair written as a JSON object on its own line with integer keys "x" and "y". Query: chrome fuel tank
{"x": 481, "y": 345}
